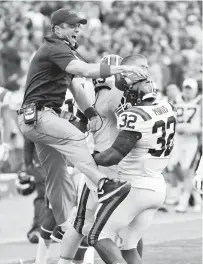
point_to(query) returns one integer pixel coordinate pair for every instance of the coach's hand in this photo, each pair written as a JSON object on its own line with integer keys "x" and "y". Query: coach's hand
{"x": 95, "y": 123}
{"x": 124, "y": 81}
{"x": 136, "y": 71}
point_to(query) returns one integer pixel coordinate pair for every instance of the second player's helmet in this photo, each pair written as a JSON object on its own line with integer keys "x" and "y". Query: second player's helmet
{"x": 140, "y": 91}
{"x": 111, "y": 59}
{"x": 136, "y": 93}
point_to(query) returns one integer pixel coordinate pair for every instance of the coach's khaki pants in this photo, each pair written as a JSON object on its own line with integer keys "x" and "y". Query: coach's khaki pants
{"x": 57, "y": 141}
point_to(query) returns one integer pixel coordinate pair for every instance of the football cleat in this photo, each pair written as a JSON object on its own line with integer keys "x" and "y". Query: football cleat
{"x": 109, "y": 188}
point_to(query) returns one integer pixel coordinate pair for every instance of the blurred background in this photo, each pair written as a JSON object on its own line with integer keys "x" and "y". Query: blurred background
{"x": 168, "y": 33}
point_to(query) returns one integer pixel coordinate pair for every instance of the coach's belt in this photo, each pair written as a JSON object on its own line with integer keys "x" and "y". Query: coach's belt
{"x": 40, "y": 107}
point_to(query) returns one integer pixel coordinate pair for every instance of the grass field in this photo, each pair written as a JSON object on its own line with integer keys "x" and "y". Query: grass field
{"x": 172, "y": 239}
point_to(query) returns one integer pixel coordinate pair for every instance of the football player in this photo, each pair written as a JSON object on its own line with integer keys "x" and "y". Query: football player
{"x": 155, "y": 185}
{"x": 6, "y": 125}
{"x": 141, "y": 150}
{"x": 107, "y": 99}
{"x": 186, "y": 153}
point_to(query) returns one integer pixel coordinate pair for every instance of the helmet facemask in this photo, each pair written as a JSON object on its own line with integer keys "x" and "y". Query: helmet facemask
{"x": 140, "y": 91}
{"x": 122, "y": 107}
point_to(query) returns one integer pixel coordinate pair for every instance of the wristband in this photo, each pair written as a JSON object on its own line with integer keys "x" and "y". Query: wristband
{"x": 105, "y": 71}
{"x": 94, "y": 153}
{"x": 90, "y": 112}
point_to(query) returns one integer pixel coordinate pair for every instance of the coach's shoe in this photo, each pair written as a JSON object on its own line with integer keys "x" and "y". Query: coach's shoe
{"x": 109, "y": 188}
{"x": 33, "y": 237}
{"x": 57, "y": 234}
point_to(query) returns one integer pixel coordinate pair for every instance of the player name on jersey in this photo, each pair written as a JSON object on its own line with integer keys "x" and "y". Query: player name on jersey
{"x": 160, "y": 110}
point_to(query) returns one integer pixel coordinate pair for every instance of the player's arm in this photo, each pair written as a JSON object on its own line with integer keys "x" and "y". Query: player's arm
{"x": 81, "y": 98}
{"x": 93, "y": 70}
{"x": 7, "y": 120}
{"x": 123, "y": 144}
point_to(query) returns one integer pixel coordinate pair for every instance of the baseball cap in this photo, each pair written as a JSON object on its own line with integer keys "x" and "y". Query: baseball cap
{"x": 192, "y": 83}
{"x": 65, "y": 15}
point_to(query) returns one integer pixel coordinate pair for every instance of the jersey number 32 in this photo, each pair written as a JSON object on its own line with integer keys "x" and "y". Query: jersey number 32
{"x": 166, "y": 144}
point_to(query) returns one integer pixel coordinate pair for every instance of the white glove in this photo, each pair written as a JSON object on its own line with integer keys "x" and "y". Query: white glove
{"x": 198, "y": 183}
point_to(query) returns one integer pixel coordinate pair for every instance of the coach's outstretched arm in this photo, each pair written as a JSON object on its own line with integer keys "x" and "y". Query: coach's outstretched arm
{"x": 93, "y": 70}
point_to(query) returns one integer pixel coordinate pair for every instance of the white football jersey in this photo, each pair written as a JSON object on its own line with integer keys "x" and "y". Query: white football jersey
{"x": 189, "y": 113}
{"x": 107, "y": 99}
{"x": 149, "y": 157}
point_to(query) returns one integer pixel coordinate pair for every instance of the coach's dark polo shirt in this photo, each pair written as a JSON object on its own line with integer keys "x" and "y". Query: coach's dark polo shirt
{"x": 47, "y": 80}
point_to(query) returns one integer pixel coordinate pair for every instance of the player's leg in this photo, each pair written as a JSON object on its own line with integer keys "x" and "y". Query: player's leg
{"x": 190, "y": 156}
{"x": 69, "y": 246}
{"x": 173, "y": 175}
{"x": 111, "y": 219}
{"x": 133, "y": 233}
{"x": 109, "y": 252}
{"x": 196, "y": 195}
{"x": 80, "y": 254}
{"x": 131, "y": 236}
{"x": 79, "y": 181}
{"x": 39, "y": 204}
{"x": 47, "y": 227}
{"x": 80, "y": 225}
{"x": 103, "y": 233}
{"x": 132, "y": 256}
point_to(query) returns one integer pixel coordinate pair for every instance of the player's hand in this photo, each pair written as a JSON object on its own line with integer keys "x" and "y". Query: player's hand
{"x": 95, "y": 123}
{"x": 198, "y": 184}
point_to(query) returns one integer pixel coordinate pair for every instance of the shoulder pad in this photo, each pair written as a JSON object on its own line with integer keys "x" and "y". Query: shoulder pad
{"x": 140, "y": 112}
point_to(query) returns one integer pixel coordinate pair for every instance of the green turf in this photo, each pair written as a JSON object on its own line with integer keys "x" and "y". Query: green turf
{"x": 173, "y": 252}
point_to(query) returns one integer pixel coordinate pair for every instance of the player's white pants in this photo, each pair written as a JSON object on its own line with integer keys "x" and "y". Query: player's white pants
{"x": 125, "y": 222}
